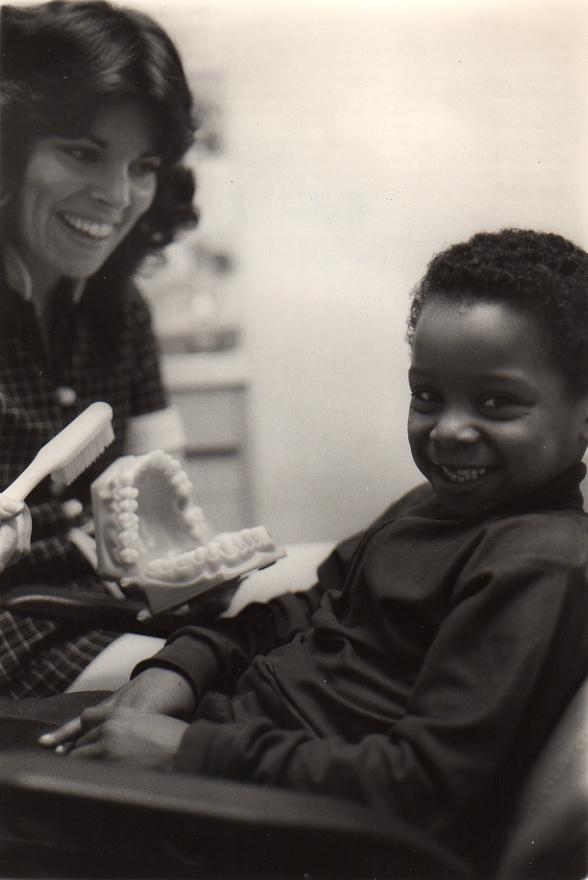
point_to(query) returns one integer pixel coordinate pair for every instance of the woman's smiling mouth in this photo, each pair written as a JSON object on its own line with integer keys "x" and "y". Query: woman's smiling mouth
{"x": 89, "y": 229}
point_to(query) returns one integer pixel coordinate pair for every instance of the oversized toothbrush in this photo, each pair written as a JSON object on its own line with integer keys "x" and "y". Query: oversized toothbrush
{"x": 69, "y": 453}
{"x": 65, "y": 456}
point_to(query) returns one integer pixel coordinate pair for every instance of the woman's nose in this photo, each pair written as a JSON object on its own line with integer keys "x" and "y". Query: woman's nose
{"x": 112, "y": 188}
{"x": 452, "y": 429}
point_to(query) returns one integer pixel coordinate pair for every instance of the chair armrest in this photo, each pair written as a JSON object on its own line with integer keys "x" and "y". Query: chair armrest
{"x": 94, "y": 610}
{"x": 97, "y": 610}
{"x": 194, "y": 826}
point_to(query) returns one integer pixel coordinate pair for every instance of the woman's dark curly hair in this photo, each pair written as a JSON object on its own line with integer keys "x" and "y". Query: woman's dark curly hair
{"x": 539, "y": 273}
{"x": 60, "y": 62}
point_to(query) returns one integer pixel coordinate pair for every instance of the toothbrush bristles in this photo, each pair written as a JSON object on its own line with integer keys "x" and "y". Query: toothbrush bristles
{"x": 68, "y": 473}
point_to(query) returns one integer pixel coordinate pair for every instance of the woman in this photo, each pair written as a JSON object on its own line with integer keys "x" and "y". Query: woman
{"x": 96, "y": 118}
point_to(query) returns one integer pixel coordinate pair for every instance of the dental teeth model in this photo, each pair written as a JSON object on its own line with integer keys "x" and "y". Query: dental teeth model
{"x": 150, "y": 535}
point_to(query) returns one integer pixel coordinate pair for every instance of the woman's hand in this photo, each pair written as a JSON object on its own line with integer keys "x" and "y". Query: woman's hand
{"x": 15, "y": 530}
{"x": 156, "y": 691}
{"x": 119, "y": 734}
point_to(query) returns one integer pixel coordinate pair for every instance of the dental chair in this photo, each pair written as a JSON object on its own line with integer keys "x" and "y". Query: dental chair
{"x": 129, "y": 822}
{"x": 186, "y": 826}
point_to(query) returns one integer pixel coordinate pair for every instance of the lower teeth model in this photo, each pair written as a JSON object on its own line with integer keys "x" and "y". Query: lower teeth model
{"x": 150, "y": 535}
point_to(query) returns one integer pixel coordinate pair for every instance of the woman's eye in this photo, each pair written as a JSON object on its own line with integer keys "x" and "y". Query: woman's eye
{"x": 82, "y": 154}
{"x": 145, "y": 167}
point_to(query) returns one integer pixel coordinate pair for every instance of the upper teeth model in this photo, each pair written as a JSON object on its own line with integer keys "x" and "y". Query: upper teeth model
{"x": 149, "y": 533}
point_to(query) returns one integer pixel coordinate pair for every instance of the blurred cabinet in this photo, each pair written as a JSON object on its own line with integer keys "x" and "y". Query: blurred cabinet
{"x": 210, "y": 392}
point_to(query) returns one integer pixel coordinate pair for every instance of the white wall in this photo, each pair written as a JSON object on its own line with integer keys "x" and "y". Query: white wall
{"x": 363, "y": 137}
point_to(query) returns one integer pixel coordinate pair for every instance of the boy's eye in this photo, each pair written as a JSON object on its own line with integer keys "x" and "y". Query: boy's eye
{"x": 425, "y": 397}
{"x": 497, "y": 400}
{"x": 499, "y": 404}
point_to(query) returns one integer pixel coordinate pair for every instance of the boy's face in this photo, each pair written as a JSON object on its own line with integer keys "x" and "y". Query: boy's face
{"x": 491, "y": 419}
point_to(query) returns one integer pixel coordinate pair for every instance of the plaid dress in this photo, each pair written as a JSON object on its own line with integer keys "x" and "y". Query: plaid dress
{"x": 100, "y": 347}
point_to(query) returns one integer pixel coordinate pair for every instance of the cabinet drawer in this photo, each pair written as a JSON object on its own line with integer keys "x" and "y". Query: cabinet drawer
{"x": 213, "y": 419}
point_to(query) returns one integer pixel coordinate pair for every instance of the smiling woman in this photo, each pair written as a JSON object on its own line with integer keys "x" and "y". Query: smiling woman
{"x": 92, "y": 140}
{"x": 81, "y": 197}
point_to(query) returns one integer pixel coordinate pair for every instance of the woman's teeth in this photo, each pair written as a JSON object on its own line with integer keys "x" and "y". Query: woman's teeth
{"x": 463, "y": 475}
{"x": 89, "y": 228}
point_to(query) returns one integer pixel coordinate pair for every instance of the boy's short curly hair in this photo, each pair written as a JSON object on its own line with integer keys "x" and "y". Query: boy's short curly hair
{"x": 542, "y": 274}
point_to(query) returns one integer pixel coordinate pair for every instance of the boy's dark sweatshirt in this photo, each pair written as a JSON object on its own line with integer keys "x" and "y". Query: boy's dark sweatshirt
{"x": 420, "y": 676}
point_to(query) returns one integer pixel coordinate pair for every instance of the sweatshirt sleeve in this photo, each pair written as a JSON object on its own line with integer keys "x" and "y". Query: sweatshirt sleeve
{"x": 213, "y": 656}
{"x": 509, "y": 630}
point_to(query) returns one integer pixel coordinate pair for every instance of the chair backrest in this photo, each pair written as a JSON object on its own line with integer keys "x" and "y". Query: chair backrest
{"x": 549, "y": 835}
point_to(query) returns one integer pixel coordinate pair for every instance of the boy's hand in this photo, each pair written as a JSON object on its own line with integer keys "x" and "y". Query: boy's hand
{"x": 128, "y": 735}
{"x": 156, "y": 691}
{"x": 15, "y": 530}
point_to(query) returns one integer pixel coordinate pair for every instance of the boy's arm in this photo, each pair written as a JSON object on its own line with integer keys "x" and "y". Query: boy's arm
{"x": 482, "y": 679}
{"x": 197, "y": 658}
{"x": 215, "y": 655}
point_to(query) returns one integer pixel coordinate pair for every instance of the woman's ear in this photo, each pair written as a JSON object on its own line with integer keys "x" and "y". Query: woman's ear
{"x": 584, "y": 425}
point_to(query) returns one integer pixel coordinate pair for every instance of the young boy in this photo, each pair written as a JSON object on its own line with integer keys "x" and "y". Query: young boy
{"x": 426, "y": 668}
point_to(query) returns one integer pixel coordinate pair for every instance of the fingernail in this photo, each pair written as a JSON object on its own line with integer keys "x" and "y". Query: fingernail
{"x": 60, "y": 750}
{"x": 46, "y": 739}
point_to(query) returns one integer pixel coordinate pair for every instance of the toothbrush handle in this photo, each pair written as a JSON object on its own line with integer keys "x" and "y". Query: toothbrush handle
{"x": 26, "y": 482}
{"x": 66, "y": 446}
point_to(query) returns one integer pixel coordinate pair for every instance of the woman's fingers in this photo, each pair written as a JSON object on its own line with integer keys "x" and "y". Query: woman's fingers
{"x": 15, "y": 534}
{"x": 9, "y": 507}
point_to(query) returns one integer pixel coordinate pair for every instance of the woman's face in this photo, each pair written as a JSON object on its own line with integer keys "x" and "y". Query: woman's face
{"x": 80, "y": 197}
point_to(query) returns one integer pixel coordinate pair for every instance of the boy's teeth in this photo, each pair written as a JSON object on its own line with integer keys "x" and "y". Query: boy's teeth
{"x": 90, "y": 228}
{"x": 463, "y": 475}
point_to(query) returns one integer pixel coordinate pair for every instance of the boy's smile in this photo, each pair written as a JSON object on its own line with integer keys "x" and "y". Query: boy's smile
{"x": 491, "y": 418}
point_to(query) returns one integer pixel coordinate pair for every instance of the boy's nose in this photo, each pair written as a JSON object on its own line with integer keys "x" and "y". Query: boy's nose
{"x": 453, "y": 429}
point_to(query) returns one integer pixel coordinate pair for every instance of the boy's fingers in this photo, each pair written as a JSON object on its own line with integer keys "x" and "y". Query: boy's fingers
{"x": 89, "y": 736}
{"x": 71, "y": 730}
{"x": 92, "y": 750}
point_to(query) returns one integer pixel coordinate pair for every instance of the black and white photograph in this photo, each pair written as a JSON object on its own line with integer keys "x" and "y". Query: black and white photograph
{"x": 293, "y": 439}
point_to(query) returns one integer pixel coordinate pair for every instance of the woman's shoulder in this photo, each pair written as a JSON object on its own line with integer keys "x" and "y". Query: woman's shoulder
{"x": 116, "y": 299}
